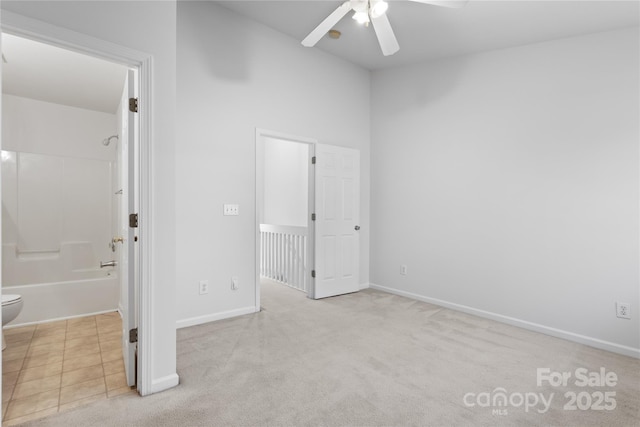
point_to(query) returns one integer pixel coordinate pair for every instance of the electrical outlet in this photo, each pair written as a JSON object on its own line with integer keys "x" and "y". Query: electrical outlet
{"x": 234, "y": 283}
{"x": 231, "y": 210}
{"x": 623, "y": 310}
{"x": 204, "y": 287}
{"x": 403, "y": 270}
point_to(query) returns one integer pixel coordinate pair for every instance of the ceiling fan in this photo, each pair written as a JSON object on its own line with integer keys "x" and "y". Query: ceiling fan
{"x": 374, "y": 11}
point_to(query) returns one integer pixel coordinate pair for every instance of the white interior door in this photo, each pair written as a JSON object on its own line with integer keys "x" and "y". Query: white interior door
{"x": 127, "y": 256}
{"x": 337, "y": 208}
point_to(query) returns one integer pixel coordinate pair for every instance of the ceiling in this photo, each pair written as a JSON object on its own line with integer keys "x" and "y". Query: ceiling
{"x": 427, "y": 32}
{"x": 47, "y": 73}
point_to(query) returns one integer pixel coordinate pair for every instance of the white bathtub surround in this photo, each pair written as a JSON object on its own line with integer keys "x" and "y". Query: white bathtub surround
{"x": 49, "y": 201}
{"x": 51, "y": 256}
{"x": 57, "y": 199}
{"x": 45, "y": 302}
{"x": 56, "y": 182}
{"x": 74, "y": 261}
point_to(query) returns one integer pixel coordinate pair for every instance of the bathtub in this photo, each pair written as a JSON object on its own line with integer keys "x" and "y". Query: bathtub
{"x": 61, "y": 300}
{"x": 59, "y": 284}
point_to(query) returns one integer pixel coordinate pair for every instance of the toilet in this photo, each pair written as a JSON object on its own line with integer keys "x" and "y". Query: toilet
{"x": 11, "y": 307}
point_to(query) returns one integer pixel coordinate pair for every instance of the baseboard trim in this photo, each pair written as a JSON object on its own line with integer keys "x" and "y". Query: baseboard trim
{"x": 57, "y": 319}
{"x": 164, "y": 383}
{"x": 199, "y": 320}
{"x": 364, "y": 286}
{"x": 536, "y": 327}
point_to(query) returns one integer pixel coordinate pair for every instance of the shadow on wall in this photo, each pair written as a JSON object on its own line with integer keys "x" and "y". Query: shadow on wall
{"x": 217, "y": 45}
{"x": 439, "y": 79}
{"x": 438, "y": 84}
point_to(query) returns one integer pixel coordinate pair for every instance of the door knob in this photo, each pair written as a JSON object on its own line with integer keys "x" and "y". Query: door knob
{"x": 357, "y": 227}
{"x": 118, "y": 239}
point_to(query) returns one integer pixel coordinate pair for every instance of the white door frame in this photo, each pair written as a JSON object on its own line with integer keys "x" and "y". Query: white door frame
{"x": 261, "y": 134}
{"x": 57, "y": 36}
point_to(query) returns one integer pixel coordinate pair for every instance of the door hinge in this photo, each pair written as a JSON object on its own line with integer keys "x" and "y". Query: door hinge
{"x": 313, "y": 160}
{"x": 133, "y": 335}
{"x": 133, "y": 220}
{"x": 313, "y": 274}
{"x": 313, "y": 217}
{"x": 133, "y": 105}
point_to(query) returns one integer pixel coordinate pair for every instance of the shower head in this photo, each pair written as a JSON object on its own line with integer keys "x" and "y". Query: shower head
{"x": 107, "y": 141}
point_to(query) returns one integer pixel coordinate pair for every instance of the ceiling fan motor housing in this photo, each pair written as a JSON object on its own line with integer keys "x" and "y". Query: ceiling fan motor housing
{"x": 368, "y": 8}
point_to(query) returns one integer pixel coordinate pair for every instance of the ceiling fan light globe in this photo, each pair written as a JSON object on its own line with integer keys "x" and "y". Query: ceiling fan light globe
{"x": 379, "y": 8}
{"x": 361, "y": 17}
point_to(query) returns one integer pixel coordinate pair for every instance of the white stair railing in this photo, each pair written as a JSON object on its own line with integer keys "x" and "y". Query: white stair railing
{"x": 283, "y": 255}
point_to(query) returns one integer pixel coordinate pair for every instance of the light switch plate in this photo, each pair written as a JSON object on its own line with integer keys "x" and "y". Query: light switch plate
{"x": 231, "y": 210}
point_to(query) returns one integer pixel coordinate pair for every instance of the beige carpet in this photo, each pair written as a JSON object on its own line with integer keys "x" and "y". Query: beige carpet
{"x": 369, "y": 358}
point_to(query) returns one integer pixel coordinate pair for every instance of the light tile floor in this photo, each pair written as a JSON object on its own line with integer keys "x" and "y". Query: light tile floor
{"x": 57, "y": 366}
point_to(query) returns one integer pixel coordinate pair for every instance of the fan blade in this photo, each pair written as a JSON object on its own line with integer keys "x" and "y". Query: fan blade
{"x": 386, "y": 38}
{"x": 322, "y": 29}
{"x": 455, "y": 4}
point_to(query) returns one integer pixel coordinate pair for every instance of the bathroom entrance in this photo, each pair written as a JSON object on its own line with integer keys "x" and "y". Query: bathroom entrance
{"x": 69, "y": 185}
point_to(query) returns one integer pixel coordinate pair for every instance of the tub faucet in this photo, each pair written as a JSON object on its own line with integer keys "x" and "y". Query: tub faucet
{"x": 108, "y": 264}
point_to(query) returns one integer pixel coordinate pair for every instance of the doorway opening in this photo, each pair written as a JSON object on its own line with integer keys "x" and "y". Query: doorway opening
{"x": 284, "y": 204}
{"x": 320, "y": 254}
{"x": 69, "y": 181}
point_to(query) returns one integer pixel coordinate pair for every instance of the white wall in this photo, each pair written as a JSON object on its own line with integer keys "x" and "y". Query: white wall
{"x": 150, "y": 27}
{"x": 508, "y": 182}
{"x": 227, "y": 87}
{"x": 286, "y": 180}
